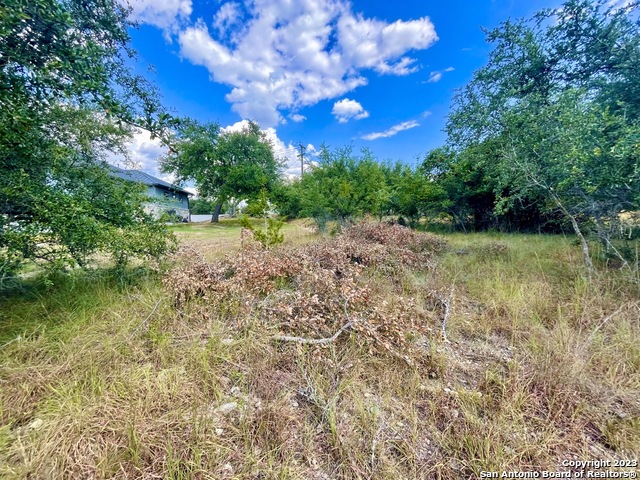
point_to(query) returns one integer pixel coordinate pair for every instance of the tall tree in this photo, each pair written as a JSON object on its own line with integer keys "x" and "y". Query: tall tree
{"x": 223, "y": 165}
{"x": 67, "y": 97}
{"x": 342, "y": 186}
{"x": 411, "y": 193}
{"x": 559, "y": 101}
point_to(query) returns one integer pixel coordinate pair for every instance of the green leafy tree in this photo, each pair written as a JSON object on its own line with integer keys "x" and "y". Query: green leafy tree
{"x": 201, "y": 206}
{"x": 342, "y": 187}
{"x": 559, "y": 102}
{"x": 287, "y": 197}
{"x": 474, "y": 185}
{"x": 585, "y": 158}
{"x": 67, "y": 98}
{"x": 411, "y": 194}
{"x": 223, "y": 165}
{"x": 584, "y": 44}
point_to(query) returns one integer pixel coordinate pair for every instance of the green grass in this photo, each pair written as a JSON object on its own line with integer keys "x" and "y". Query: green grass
{"x": 105, "y": 379}
{"x": 216, "y": 239}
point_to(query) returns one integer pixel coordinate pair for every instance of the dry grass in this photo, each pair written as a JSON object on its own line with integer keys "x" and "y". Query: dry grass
{"x": 215, "y": 240}
{"x": 565, "y": 374}
{"x": 111, "y": 381}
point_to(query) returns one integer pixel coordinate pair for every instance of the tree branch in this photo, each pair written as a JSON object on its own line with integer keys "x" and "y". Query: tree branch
{"x": 318, "y": 341}
{"x": 146, "y": 320}
{"x": 446, "y": 302}
{"x": 314, "y": 341}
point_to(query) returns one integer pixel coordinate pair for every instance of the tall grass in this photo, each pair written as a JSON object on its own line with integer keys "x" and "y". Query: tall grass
{"x": 104, "y": 379}
{"x": 565, "y": 377}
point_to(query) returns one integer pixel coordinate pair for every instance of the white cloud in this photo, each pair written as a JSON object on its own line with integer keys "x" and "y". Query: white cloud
{"x": 345, "y": 109}
{"x": 426, "y": 113}
{"x": 286, "y": 55}
{"x": 296, "y": 117}
{"x": 402, "y": 67}
{"x": 392, "y": 131}
{"x": 227, "y": 16}
{"x": 165, "y": 14}
{"x": 618, "y": 4}
{"x": 436, "y": 76}
{"x": 288, "y": 152}
{"x": 235, "y": 127}
{"x": 143, "y": 153}
{"x": 373, "y": 43}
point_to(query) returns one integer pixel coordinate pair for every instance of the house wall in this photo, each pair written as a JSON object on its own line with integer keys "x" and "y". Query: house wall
{"x": 164, "y": 200}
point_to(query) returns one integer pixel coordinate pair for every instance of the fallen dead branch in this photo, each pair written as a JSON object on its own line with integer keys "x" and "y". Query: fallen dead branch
{"x": 603, "y": 322}
{"x": 146, "y": 320}
{"x": 319, "y": 341}
{"x": 314, "y": 341}
{"x": 446, "y": 303}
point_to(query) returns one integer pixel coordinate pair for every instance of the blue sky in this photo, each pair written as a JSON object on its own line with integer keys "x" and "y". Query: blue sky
{"x": 369, "y": 74}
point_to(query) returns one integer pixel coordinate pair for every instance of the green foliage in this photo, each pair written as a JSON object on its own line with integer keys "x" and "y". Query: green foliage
{"x": 201, "y": 206}
{"x": 271, "y": 233}
{"x": 583, "y": 44}
{"x": 223, "y": 165}
{"x": 286, "y": 196}
{"x": 344, "y": 187}
{"x": 67, "y": 98}
{"x": 192, "y": 155}
{"x": 474, "y": 186}
{"x": 341, "y": 187}
{"x": 411, "y": 194}
{"x": 552, "y": 122}
{"x": 169, "y": 216}
{"x": 256, "y": 207}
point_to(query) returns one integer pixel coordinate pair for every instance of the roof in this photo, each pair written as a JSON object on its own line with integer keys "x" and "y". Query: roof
{"x": 144, "y": 178}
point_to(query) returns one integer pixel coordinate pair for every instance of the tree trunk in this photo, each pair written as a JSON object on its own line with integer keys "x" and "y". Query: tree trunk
{"x": 583, "y": 243}
{"x": 578, "y": 232}
{"x": 215, "y": 217}
{"x": 457, "y": 219}
{"x": 605, "y": 238}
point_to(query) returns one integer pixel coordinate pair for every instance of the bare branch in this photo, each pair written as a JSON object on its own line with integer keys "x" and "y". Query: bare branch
{"x": 446, "y": 303}
{"x": 314, "y": 341}
{"x": 146, "y": 320}
{"x": 318, "y": 341}
{"x": 604, "y": 322}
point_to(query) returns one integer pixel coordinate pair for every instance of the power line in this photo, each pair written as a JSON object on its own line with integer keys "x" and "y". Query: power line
{"x": 284, "y": 151}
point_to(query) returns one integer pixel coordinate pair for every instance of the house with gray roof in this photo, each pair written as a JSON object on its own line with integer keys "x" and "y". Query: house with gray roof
{"x": 164, "y": 197}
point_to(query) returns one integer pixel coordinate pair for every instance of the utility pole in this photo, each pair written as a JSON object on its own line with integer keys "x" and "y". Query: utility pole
{"x": 301, "y": 157}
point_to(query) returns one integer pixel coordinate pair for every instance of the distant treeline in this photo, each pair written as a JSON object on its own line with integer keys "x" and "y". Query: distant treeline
{"x": 459, "y": 191}
{"x": 546, "y": 136}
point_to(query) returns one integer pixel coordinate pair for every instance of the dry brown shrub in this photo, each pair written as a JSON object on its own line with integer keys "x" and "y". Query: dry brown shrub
{"x": 313, "y": 290}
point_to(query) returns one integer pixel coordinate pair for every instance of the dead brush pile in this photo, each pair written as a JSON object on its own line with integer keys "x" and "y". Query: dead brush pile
{"x": 315, "y": 291}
